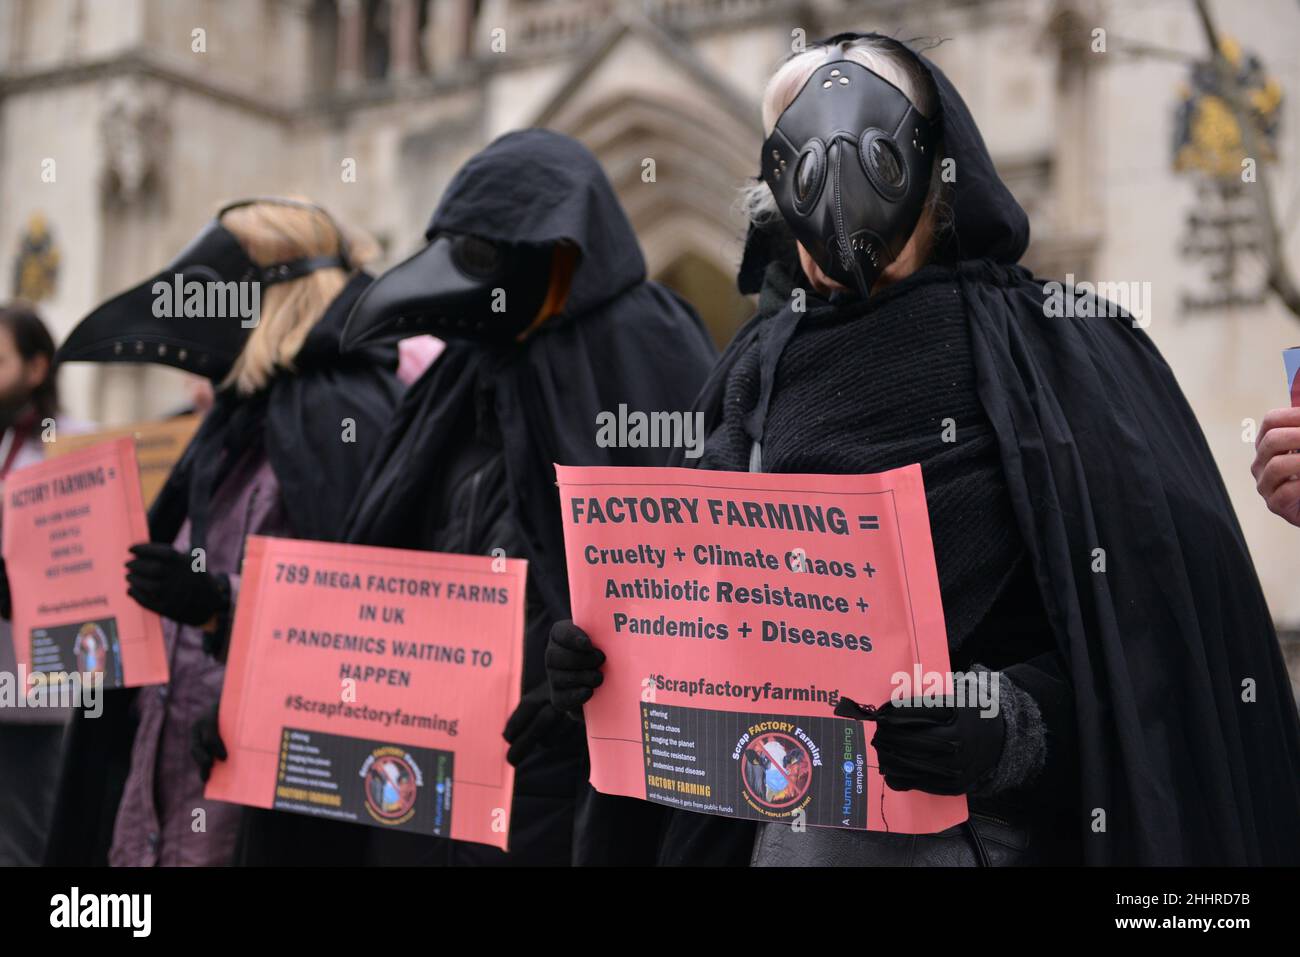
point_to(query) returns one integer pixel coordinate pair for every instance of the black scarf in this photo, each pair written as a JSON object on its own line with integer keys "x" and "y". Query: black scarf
{"x": 866, "y": 386}
{"x": 300, "y": 418}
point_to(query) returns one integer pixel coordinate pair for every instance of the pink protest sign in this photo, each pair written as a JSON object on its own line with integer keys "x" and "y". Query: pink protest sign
{"x": 371, "y": 685}
{"x": 69, "y": 523}
{"x": 734, "y": 610}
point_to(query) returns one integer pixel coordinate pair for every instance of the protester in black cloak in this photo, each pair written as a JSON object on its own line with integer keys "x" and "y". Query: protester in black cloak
{"x": 1086, "y": 548}
{"x": 281, "y": 452}
{"x": 468, "y": 464}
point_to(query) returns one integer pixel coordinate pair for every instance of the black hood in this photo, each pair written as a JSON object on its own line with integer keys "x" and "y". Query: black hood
{"x": 296, "y": 418}
{"x": 982, "y": 220}
{"x": 619, "y": 339}
{"x": 502, "y": 227}
{"x": 541, "y": 188}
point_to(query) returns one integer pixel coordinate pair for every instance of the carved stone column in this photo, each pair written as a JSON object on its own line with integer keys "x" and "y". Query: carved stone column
{"x": 493, "y": 14}
{"x": 352, "y": 43}
{"x": 447, "y": 39}
{"x": 403, "y": 35}
{"x": 1073, "y": 158}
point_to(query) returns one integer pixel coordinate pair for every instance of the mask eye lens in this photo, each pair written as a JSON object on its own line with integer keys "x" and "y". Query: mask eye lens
{"x": 803, "y": 177}
{"x": 883, "y": 164}
{"x": 809, "y": 174}
{"x": 886, "y": 164}
{"x": 476, "y": 257}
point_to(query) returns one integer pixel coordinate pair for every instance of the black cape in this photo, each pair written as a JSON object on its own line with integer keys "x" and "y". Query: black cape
{"x": 1187, "y": 735}
{"x": 620, "y": 339}
{"x": 299, "y": 418}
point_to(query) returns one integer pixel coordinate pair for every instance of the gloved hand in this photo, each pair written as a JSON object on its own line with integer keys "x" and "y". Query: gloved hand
{"x": 6, "y": 599}
{"x": 940, "y": 750}
{"x": 206, "y": 745}
{"x": 161, "y": 579}
{"x": 216, "y": 641}
{"x": 572, "y": 668}
{"x": 534, "y": 724}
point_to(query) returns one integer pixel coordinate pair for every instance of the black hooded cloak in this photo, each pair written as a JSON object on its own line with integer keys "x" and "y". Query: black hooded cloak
{"x": 468, "y": 463}
{"x": 299, "y": 418}
{"x": 1182, "y": 739}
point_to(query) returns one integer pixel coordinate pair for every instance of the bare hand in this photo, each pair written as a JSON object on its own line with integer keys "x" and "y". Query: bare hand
{"x": 1277, "y": 463}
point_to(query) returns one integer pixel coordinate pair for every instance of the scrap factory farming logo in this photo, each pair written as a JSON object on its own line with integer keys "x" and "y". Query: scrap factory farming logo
{"x": 392, "y": 782}
{"x": 777, "y": 773}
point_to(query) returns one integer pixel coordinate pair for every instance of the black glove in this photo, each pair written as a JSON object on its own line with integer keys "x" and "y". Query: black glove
{"x": 572, "y": 668}
{"x": 216, "y": 642}
{"x": 206, "y": 745}
{"x": 534, "y": 724}
{"x": 6, "y": 599}
{"x": 940, "y": 750}
{"x": 161, "y": 579}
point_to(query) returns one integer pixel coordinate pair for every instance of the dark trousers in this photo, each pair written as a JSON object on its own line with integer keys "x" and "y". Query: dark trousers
{"x": 30, "y": 756}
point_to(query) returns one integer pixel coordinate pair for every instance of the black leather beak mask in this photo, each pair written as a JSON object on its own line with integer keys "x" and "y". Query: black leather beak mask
{"x": 460, "y": 287}
{"x": 196, "y": 314}
{"x": 849, "y": 164}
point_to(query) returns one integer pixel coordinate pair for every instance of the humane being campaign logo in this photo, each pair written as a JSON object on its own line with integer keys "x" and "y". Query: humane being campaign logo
{"x": 393, "y": 781}
{"x": 776, "y": 771}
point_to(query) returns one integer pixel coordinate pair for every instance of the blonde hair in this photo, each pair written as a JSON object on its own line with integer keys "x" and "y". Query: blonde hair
{"x": 270, "y": 233}
{"x": 881, "y": 56}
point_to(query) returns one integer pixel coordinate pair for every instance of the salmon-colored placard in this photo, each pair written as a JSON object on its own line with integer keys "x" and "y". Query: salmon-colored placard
{"x": 734, "y": 609}
{"x": 372, "y": 685}
{"x": 69, "y": 524}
